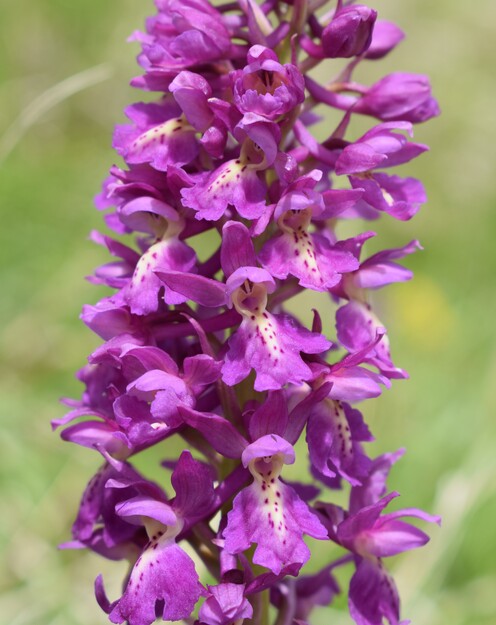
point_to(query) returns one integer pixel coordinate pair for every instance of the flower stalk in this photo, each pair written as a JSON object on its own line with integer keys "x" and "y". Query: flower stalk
{"x": 207, "y": 353}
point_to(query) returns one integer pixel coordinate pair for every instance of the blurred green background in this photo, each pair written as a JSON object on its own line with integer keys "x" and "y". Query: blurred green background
{"x": 64, "y": 70}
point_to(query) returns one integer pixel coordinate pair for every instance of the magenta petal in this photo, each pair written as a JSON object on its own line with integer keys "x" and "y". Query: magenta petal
{"x": 142, "y": 292}
{"x": 193, "y": 482}
{"x": 309, "y": 257}
{"x": 194, "y": 287}
{"x": 269, "y": 418}
{"x": 393, "y": 537}
{"x": 154, "y": 583}
{"x": 233, "y": 183}
{"x": 219, "y": 432}
{"x": 373, "y": 595}
{"x": 374, "y": 486}
{"x": 275, "y": 518}
{"x": 191, "y": 91}
{"x": 237, "y": 248}
{"x": 199, "y": 371}
{"x": 333, "y": 434}
{"x": 271, "y": 345}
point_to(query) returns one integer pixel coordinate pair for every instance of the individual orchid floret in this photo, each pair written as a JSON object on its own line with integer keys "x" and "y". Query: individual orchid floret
{"x": 166, "y": 389}
{"x": 134, "y": 275}
{"x": 309, "y": 256}
{"x": 183, "y": 34}
{"x": 225, "y": 604}
{"x": 379, "y": 270}
{"x": 269, "y": 512}
{"x": 97, "y": 526}
{"x": 153, "y": 589}
{"x": 350, "y": 380}
{"x": 399, "y": 96}
{"x": 235, "y": 183}
{"x": 350, "y": 32}
{"x": 379, "y": 147}
{"x": 265, "y": 87}
{"x": 374, "y": 487}
{"x": 373, "y": 595}
{"x": 269, "y": 344}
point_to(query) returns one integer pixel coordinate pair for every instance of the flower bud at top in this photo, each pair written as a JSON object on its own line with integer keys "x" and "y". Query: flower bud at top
{"x": 350, "y": 32}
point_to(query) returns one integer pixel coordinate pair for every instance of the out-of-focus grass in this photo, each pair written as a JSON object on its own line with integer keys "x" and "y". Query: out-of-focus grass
{"x": 441, "y": 325}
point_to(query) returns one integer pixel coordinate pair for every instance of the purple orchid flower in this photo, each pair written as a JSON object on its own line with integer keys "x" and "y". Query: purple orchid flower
{"x": 266, "y": 87}
{"x": 373, "y": 595}
{"x": 151, "y": 590}
{"x": 268, "y": 512}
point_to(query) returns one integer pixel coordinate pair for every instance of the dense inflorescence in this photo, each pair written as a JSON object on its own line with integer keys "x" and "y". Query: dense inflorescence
{"x": 204, "y": 350}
